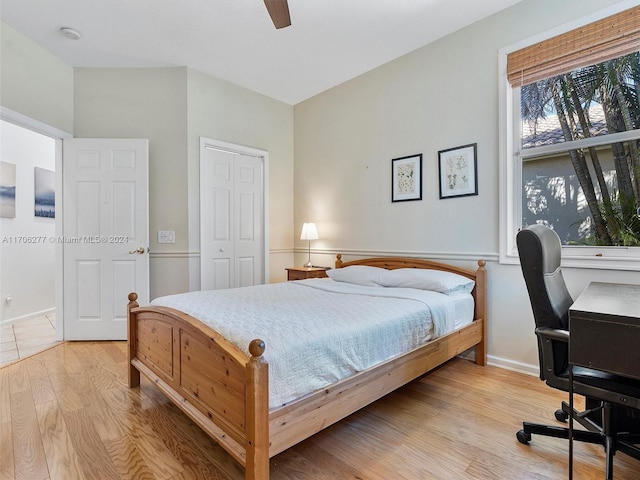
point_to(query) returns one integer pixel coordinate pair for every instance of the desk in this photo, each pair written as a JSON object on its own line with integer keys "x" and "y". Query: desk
{"x": 604, "y": 325}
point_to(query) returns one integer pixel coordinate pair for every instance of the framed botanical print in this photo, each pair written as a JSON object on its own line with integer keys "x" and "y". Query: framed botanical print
{"x": 406, "y": 178}
{"x": 458, "y": 171}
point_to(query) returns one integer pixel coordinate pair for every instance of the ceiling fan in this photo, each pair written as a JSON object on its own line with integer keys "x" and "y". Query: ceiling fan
{"x": 279, "y": 12}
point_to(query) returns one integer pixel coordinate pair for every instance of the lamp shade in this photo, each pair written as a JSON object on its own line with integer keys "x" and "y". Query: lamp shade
{"x": 309, "y": 232}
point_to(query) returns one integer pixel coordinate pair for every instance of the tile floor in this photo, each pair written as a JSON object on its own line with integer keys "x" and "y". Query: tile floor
{"x": 27, "y": 337}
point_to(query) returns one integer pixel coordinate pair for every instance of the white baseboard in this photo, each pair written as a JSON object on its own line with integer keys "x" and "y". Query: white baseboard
{"x": 503, "y": 363}
{"x": 29, "y": 316}
{"x": 513, "y": 365}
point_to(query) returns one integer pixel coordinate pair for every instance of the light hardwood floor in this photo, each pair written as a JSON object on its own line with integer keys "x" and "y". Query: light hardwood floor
{"x": 66, "y": 413}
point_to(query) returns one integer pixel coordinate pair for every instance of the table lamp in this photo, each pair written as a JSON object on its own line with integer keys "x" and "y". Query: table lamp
{"x": 309, "y": 232}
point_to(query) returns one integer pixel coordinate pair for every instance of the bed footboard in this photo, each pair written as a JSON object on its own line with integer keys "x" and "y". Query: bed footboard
{"x": 222, "y": 389}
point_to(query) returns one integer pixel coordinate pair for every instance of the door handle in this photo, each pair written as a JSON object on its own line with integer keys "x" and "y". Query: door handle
{"x": 139, "y": 250}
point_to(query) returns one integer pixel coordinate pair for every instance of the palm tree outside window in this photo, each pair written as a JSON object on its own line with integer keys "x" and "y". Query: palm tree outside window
{"x": 579, "y": 146}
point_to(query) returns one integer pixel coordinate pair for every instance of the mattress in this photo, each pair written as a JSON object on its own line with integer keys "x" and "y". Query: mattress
{"x": 320, "y": 331}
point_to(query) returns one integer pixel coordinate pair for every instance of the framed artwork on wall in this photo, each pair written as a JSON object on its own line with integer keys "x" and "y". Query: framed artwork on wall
{"x": 7, "y": 190}
{"x": 406, "y": 178}
{"x": 457, "y": 169}
{"x": 45, "y": 193}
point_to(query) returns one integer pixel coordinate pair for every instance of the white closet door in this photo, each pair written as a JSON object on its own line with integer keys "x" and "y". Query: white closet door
{"x": 231, "y": 219}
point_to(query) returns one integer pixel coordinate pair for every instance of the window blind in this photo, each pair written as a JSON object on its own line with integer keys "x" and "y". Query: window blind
{"x": 594, "y": 43}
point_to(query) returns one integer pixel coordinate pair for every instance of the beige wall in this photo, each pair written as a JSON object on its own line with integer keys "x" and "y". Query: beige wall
{"x": 34, "y": 82}
{"x": 222, "y": 111}
{"x": 173, "y": 108}
{"x": 143, "y": 103}
{"x": 146, "y": 103}
{"x": 440, "y": 96}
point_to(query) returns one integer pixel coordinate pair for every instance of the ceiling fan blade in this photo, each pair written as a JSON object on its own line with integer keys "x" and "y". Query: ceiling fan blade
{"x": 279, "y": 11}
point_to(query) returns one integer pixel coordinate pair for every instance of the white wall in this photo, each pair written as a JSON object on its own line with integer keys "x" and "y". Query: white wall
{"x": 440, "y": 96}
{"x": 27, "y": 269}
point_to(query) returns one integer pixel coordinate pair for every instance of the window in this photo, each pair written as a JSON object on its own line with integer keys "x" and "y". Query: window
{"x": 571, "y": 155}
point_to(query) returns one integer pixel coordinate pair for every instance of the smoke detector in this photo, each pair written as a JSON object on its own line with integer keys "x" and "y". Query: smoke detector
{"x": 70, "y": 33}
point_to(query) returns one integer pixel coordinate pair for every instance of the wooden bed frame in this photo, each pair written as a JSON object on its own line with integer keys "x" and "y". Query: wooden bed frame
{"x": 225, "y": 391}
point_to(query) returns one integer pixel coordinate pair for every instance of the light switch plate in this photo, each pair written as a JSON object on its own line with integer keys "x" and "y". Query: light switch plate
{"x": 166, "y": 236}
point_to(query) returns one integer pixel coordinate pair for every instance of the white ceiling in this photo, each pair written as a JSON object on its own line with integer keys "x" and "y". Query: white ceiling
{"x": 329, "y": 41}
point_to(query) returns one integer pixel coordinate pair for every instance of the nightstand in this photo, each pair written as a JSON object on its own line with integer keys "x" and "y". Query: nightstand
{"x": 300, "y": 273}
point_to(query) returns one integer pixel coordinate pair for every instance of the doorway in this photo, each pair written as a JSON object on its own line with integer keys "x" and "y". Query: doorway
{"x": 119, "y": 240}
{"x": 28, "y": 232}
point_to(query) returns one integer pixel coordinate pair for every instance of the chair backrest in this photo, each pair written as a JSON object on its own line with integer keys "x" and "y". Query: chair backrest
{"x": 539, "y": 249}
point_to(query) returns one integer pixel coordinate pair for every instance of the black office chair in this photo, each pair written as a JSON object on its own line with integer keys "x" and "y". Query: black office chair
{"x": 611, "y": 417}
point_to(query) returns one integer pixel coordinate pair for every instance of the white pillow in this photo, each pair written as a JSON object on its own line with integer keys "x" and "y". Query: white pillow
{"x": 357, "y": 274}
{"x": 423, "y": 279}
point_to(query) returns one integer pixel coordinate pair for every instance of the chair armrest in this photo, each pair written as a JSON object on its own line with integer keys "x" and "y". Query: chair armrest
{"x": 553, "y": 334}
{"x": 553, "y": 351}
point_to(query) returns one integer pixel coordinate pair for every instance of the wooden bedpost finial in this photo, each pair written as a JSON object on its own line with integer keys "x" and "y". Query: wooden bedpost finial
{"x": 339, "y": 260}
{"x": 133, "y": 297}
{"x": 481, "y": 263}
{"x": 256, "y": 347}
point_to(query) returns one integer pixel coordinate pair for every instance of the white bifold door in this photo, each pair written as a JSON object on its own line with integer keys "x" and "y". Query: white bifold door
{"x": 106, "y": 234}
{"x": 232, "y": 249}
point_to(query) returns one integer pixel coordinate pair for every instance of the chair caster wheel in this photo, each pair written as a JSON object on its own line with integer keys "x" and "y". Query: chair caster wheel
{"x": 523, "y": 437}
{"x": 561, "y": 415}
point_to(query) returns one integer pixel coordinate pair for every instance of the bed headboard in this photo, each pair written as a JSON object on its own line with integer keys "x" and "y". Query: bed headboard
{"x": 391, "y": 263}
